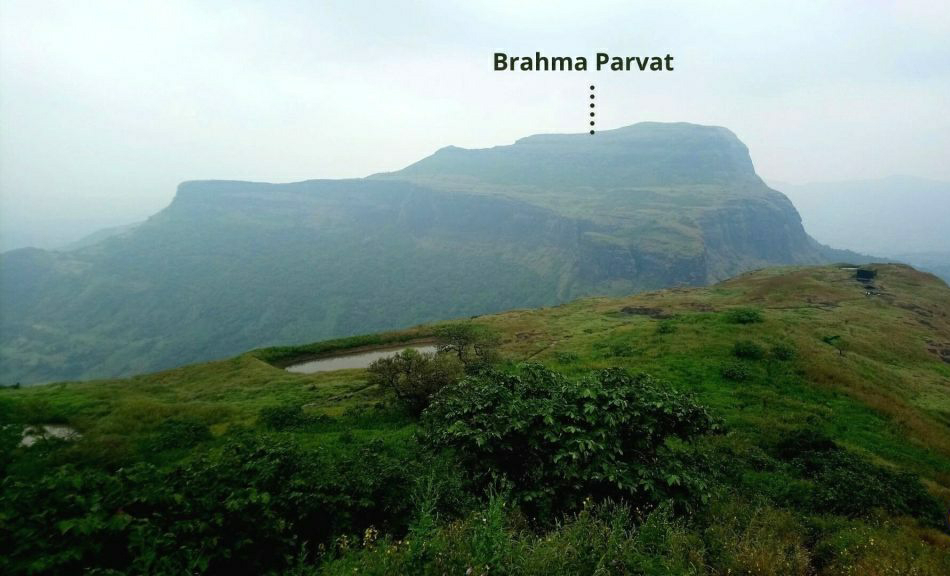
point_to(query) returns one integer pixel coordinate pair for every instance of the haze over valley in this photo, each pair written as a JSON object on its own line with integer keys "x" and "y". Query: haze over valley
{"x": 900, "y": 217}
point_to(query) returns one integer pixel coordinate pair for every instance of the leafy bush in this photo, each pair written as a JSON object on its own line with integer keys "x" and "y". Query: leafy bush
{"x": 744, "y": 316}
{"x": 845, "y": 483}
{"x": 849, "y": 485}
{"x": 180, "y": 433}
{"x": 803, "y": 441}
{"x": 286, "y": 417}
{"x": 783, "y": 352}
{"x": 736, "y": 371}
{"x": 665, "y": 327}
{"x": 833, "y": 340}
{"x": 10, "y": 436}
{"x": 246, "y": 509}
{"x": 621, "y": 350}
{"x": 748, "y": 350}
{"x": 554, "y": 441}
{"x": 414, "y": 377}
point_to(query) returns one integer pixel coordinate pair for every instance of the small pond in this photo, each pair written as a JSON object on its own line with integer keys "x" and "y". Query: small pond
{"x": 353, "y": 360}
{"x": 32, "y": 434}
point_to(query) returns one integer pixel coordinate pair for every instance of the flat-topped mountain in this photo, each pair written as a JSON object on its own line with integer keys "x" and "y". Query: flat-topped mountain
{"x": 645, "y": 154}
{"x": 235, "y": 265}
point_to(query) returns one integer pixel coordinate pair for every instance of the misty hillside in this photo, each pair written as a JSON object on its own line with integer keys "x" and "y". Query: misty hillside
{"x": 792, "y": 424}
{"x": 900, "y": 217}
{"x": 234, "y": 265}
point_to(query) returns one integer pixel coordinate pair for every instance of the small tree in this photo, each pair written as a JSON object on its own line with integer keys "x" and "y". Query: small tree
{"x": 455, "y": 339}
{"x": 748, "y": 350}
{"x": 473, "y": 345}
{"x": 413, "y": 376}
{"x": 744, "y": 316}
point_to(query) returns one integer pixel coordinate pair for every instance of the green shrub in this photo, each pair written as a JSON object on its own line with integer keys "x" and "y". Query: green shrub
{"x": 287, "y": 417}
{"x": 847, "y": 484}
{"x": 744, "y": 316}
{"x": 665, "y": 327}
{"x": 413, "y": 377}
{"x": 554, "y": 441}
{"x": 736, "y": 371}
{"x": 10, "y": 437}
{"x": 748, "y": 350}
{"x": 621, "y": 350}
{"x": 796, "y": 444}
{"x": 180, "y": 433}
{"x": 783, "y": 352}
{"x": 245, "y": 509}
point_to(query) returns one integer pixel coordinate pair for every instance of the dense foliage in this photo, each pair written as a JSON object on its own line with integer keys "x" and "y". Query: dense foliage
{"x": 847, "y": 484}
{"x": 244, "y": 509}
{"x": 748, "y": 350}
{"x": 744, "y": 315}
{"x": 413, "y": 376}
{"x": 829, "y": 465}
{"x": 256, "y": 502}
{"x": 554, "y": 442}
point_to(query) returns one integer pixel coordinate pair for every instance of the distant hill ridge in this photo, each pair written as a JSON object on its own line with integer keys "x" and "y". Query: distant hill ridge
{"x": 231, "y": 265}
{"x": 901, "y": 217}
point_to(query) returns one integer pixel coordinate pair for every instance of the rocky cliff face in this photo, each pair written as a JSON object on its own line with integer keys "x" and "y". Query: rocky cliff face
{"x": 752, "y": 233}
{"x": 659, "y": 204}
{"x": 230, "y": 266}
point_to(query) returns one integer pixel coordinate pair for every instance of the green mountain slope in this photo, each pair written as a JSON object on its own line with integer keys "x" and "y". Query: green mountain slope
{"x": 233, "y": 265}
{"x": 834, "y": 404}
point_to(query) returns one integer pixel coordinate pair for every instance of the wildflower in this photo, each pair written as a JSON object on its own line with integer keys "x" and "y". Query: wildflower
{"x": 369, "y": 536}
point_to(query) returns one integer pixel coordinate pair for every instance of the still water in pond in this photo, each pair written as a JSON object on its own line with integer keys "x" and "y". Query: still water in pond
{"x": 32, "y": 434}
{"x": 349, "y": 361}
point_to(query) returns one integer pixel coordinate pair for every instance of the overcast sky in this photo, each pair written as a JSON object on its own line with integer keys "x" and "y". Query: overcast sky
{"x": 106, "y": 106}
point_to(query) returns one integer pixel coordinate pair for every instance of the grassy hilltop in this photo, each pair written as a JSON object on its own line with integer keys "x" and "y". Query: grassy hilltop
{"x": 826, "y": 451}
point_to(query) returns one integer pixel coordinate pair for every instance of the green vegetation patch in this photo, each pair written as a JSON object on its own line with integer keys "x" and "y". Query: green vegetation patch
{"x": 833, "y": 459}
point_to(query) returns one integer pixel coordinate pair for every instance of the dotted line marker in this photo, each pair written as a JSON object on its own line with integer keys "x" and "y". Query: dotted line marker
{"x": 592, "y": 110}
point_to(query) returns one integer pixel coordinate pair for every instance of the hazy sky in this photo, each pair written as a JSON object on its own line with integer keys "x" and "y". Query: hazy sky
{"x": 106, "y": 106}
